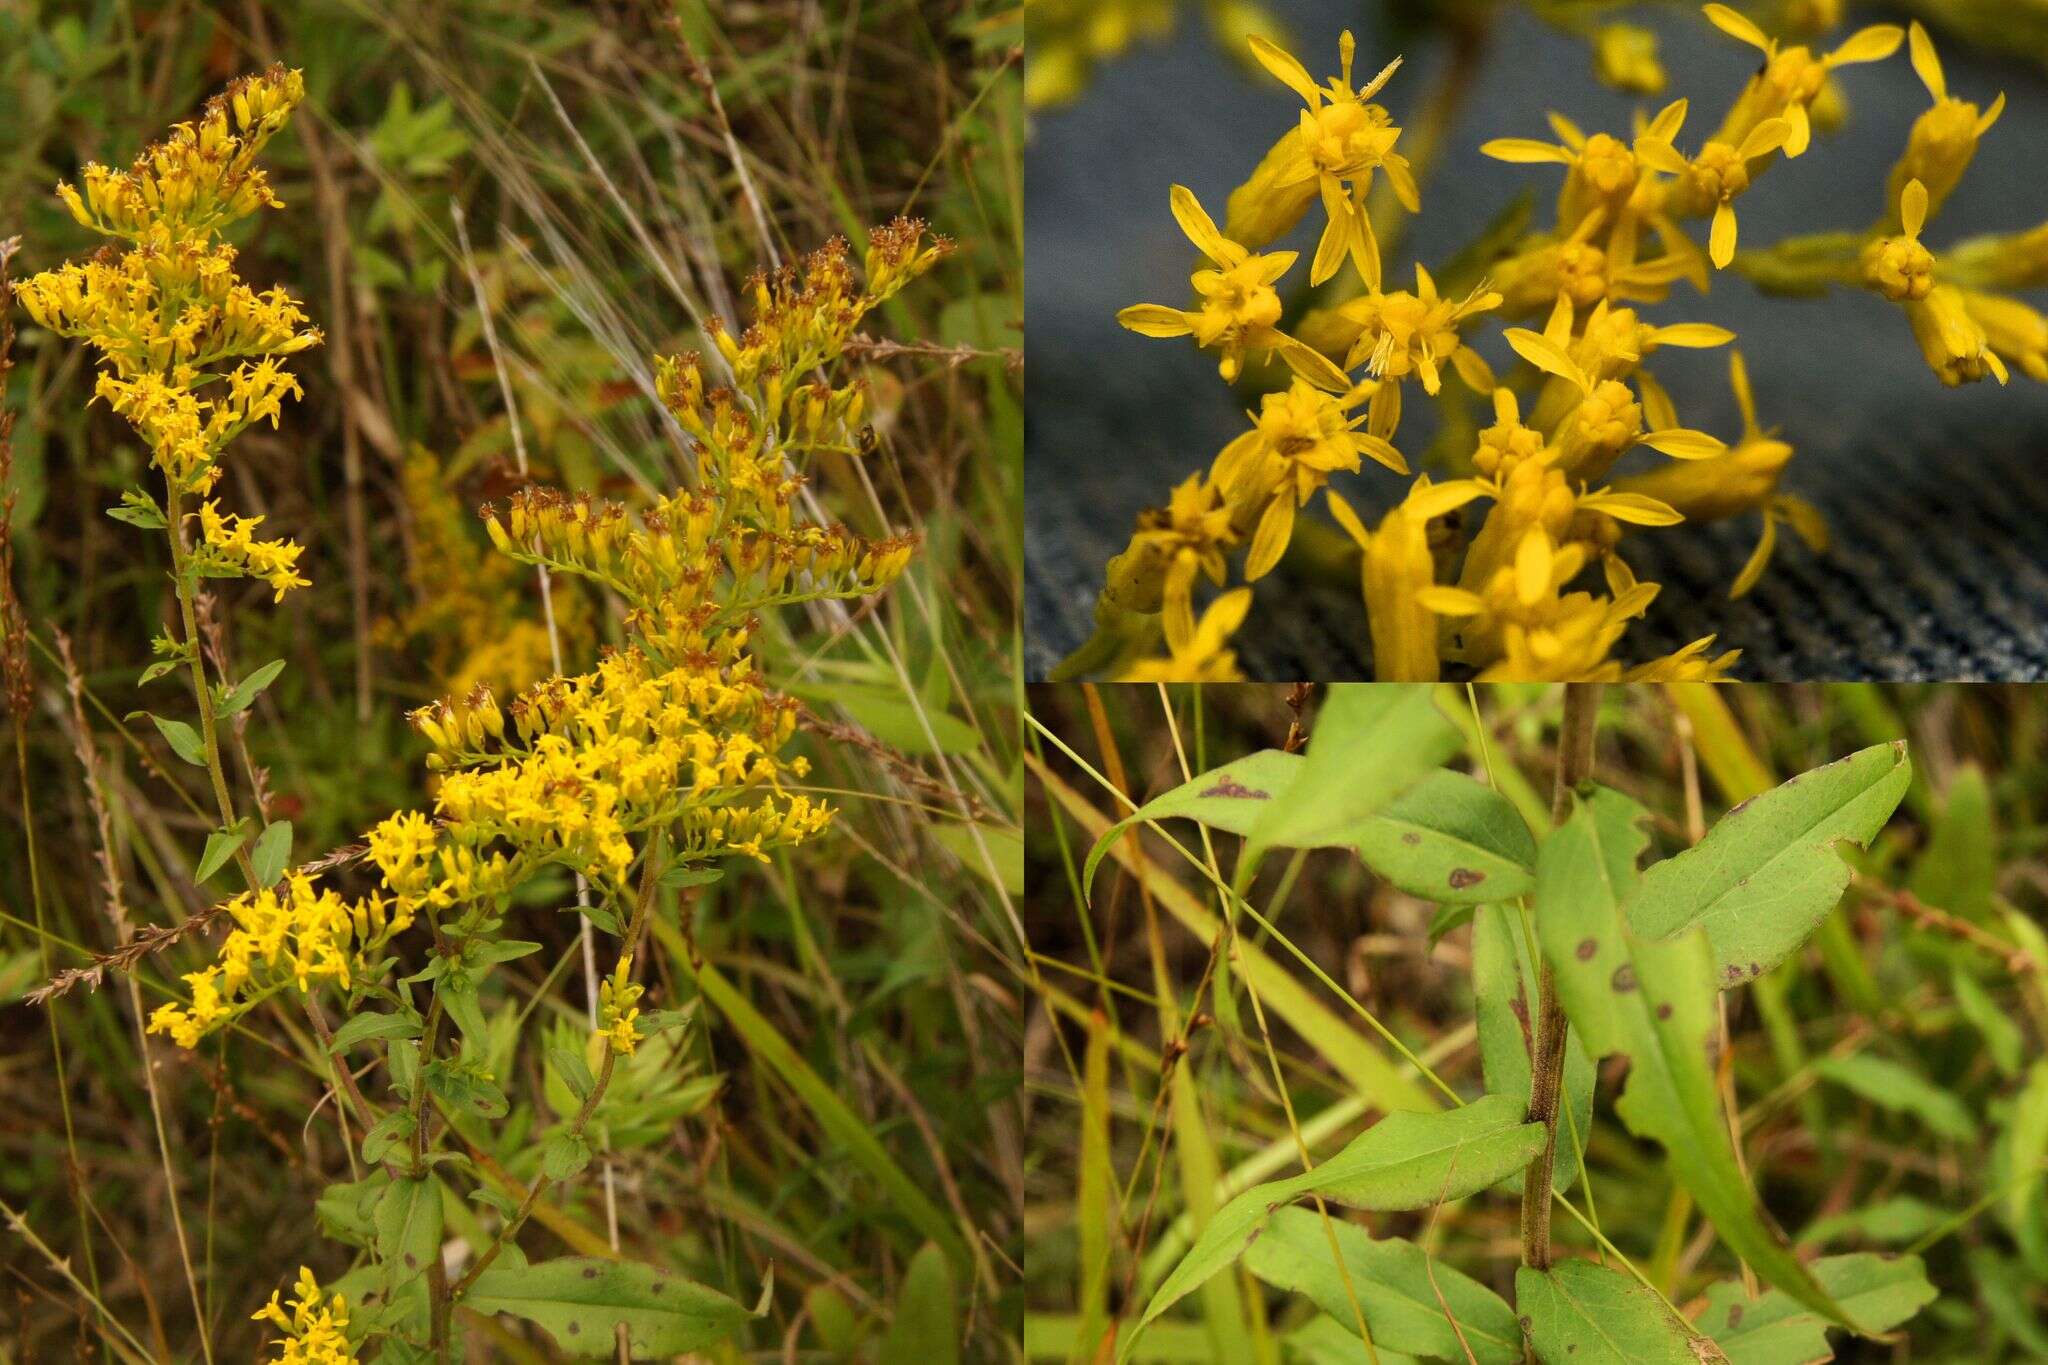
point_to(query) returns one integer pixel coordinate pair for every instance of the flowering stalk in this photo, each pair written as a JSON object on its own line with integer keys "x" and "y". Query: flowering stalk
{"x": 1549, "y": 1029}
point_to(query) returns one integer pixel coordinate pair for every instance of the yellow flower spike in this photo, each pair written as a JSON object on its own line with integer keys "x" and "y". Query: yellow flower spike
{"x": 1943, "y": 140}
{"x": 1204, "y": 656}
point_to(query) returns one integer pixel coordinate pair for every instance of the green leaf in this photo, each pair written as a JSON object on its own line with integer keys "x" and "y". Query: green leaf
{"x": 574, "y": 1071}
{"x": 564, "y": 1155}
{"x": 344, "y": 1209}
{"x": 2026, "y": 1142}
{"x": 394, "y": 1127}
{"x": 683, "y": 875}
{"x": 1656, "y": 1004}
{"x": 1228, "y": 798}
{"x": 1890, "y": 1222}
{"x": 408, "y": 1226}
{"x": 1450, "y": 839}
{"x": 580, "y": 1299}
{"x": 1773, "y": 1330}
{"x": 466, "y": 1088}
{"x": 2002, "y": 1037}
{"x": 362, "y": 1028}
{"x": 1503, "y": 989}
{"x": 1891, "y": 1086}
{"x": 1005, "y": 850}
{"x": 1405, "y": 1161}
{"x": 1582, "y": 1313}
{"x": 1959, "y": 870}
{"x": 183, "y": 739}
{"x": 273, "y": 852}
{"x": 1403, "y": 1296}
{"x": 1769, "y": 870}
{"x": 248, "y": 689}
{"x": 138, "y": 508}
{"x": 220, "y": 846}
{"x": 1447, "y": 838}
{"x": 926, "y": 1330}
{"x": 1371, "y": 742}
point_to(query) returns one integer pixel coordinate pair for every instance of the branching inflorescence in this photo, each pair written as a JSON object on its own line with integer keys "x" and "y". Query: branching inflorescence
{"x": 670, "y": 751}
{"x": 1504, "y": 596}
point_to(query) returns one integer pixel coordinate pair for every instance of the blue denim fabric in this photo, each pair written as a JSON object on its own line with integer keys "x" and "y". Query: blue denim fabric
{"x": 1937, "y": 498}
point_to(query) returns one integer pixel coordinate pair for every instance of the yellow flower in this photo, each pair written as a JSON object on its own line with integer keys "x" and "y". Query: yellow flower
{"x": 619, "y": 996}
{"x": 1625, "y": 57}
{"x": 1240, "y": 312}
{"x": 316, "y": 1331}
{"x": 1900, "y": 268}
{"x": 1341, "y": 140}
{"x": 1944, "y": 138}
{"x": 1203, "y": 656}
{"x": 1300, "y": 437}
{"x": 296, "y": 933}
{"x": 1791, "y": 79}
{"x": 1171, "y": 546}
{"x": 1402, "y": 334}
{"x": 1402, "y": 596}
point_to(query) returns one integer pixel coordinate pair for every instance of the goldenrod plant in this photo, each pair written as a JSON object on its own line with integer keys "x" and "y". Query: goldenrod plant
{"x": 1492, "y": 1024}
{"x": 639, "y": 775}
{"x": 1506, "y": 556}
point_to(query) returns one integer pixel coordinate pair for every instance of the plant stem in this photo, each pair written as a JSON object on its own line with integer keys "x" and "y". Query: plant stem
{"x": 649, "y": 876}
{"x": 1546, "y": 1060}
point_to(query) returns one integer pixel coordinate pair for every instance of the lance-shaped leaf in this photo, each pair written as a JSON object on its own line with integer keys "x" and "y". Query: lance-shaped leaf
{"x": 1405, "y": 1161}
{"x": 1769, "y": 871}
{"x": 1504, "y": 992}
{"x": 1655, "y": 1003}
{"x": 1371, "y": 743}
{"x": 1882, "y": 1291}
{"x": 1581, "y": 1313}
{"x": 581, "y": 1299}
{"x": 1448, "y": 838}
{"x": 1410, "y": 1305}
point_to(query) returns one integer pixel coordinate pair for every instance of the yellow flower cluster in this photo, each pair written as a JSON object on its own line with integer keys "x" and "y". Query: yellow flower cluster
{"x": 1499, "y": 596}
{"x": 228, "y": 548}
{"x": 315, "y": 1330}
{"x": 295, "y": 933}
{"x": 619, "y": 1007}
{"x": 676, "y": 730}
{"x": 191, "y": 353}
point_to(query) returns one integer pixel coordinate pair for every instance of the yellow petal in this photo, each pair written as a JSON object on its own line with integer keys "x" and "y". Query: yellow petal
{"x": 1201, "y": 229}
{"x": 1681, "y": 444}
{"x": 1269, "y": 541}
{"x": 1525, "y": 151}
{"x": 1348, "y": 519}
{"x": 1745, "y": 398}
{"x": 1765, "y": 138}
{"x": 1312, "y": 365}
{"x": 1546, "y": 355}
{"x": 1925, "y": 63}
{"x": 1801, "y": 135}
{"x": 1155, "y": 320}
{"x": 1872, "y": 44}
{"x": 1913, "y": 208}
{"x": 1669, "y": 120}
{"x": 1634, "y": 508}
{"x": 1696, "y": 334}
{"x": 1429, "y": 501}
{"x": 1721, "y": 238}
{"x": 1532, "y": 567}
{"x": 1287, "y": 70}
{"x": 1758, "y": 558}
{"x": 1738, "y": 27}
{"x": 1448, "y": 601}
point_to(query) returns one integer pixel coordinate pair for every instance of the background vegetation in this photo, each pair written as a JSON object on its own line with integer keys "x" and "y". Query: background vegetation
{"x": 602, "y": 178}
{"x": 1889, "y": 1079}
